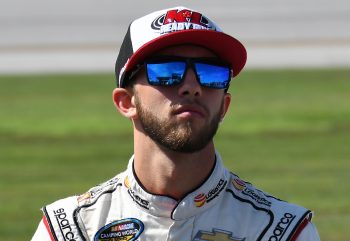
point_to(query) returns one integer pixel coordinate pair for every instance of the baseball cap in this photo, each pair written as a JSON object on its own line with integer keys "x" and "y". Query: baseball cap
{"x": 175, "y": 26}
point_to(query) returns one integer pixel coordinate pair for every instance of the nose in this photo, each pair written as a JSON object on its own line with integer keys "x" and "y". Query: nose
{"x": 190, "y": 86}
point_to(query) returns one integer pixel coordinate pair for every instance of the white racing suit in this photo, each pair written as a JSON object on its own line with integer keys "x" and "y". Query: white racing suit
{"x": 223, "y": 208}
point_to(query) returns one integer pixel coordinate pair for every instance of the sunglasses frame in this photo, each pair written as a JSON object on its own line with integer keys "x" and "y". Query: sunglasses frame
{"x": 190, "y": 62}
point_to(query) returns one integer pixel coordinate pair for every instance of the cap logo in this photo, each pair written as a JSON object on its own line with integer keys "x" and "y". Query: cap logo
{"x": 184, "y": 19}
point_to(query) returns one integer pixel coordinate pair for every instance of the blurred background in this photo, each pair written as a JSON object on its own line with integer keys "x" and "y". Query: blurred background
{"x": 287, "y": 132}
{"x": 70, "y": 36}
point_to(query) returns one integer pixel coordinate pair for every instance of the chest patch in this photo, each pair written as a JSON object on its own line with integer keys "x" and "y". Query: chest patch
{"x": 128, "y": 229}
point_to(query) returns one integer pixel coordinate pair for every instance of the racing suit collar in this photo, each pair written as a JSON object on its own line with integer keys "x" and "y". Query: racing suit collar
{"x": 199, "y": 200}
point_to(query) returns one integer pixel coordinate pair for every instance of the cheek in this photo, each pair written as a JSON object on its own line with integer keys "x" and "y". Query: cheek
{"x": 151, "y": 99}
{"x": 215, "y": 100}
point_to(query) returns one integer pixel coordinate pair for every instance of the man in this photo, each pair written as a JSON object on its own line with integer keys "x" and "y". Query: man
{"x": 173, "y": 73}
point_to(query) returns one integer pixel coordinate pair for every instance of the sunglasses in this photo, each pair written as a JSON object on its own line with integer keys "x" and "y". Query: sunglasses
{"x": 171, "y": 70}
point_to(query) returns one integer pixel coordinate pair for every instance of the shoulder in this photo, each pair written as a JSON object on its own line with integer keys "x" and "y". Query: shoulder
{"x": 247, "y": 193}
{"x": 285, "y": 220}
{"x": 62, "y": 217}
{"x": 93, "y": 194}
{"x": 309, "y": 233}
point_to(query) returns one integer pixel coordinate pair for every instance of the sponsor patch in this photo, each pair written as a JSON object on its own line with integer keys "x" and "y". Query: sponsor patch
{"x": 203, "y": 198}
{"x": 140, "y": 201}
{"x": 241, "y": 186}
{"x": 255, "y": 196}
{"x": 96, "y": 191}
{"x": 200, "y": 199}
{"x": 282, "y": 226}
{"x": 184, "y": 19}
{"x": 135, "y": 197}
{"x": 65, "y": 226}
{"x": 127, "y": 182}
{"x": 216, "y": 235}
{"x": 84, "y": 197}
{"x": 128, "y": 229}
{"x": 238, "y": 184}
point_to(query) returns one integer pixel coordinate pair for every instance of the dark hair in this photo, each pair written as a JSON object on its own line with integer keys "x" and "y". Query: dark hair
{"x": 130, "y": 77}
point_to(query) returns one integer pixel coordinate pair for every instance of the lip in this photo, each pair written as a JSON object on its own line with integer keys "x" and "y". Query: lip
{"x": 190, "y": 111}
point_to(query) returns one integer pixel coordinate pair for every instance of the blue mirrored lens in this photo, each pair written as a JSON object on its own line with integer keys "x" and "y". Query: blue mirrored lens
{"x": 213, "y": 76}
{"x": 169, "y": 73}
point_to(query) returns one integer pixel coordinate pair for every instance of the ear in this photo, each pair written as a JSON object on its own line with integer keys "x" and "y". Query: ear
{"x": 124, "y": 102}
{"x": 226, "y": 105}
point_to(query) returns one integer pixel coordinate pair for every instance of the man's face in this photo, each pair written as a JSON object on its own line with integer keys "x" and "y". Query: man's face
{"x": 181, "y": 118}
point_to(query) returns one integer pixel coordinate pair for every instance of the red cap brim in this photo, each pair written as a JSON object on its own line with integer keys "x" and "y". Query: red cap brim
{"x": 225, "y": 46}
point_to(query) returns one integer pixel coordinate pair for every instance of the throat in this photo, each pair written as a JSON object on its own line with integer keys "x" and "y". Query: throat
{"x": 166, "y": 177}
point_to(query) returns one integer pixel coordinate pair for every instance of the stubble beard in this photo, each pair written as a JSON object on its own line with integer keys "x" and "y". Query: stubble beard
{"x": 174, "y": 135}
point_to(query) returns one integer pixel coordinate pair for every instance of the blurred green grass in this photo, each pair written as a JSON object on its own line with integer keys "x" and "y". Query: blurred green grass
{"x": 287, "y": 131}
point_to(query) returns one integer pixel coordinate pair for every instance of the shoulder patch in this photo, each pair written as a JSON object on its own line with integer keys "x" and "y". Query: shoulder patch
{"x": 94, "y": 193}
{"x": 286, "y": 224}
{"x": 246, "y": 191}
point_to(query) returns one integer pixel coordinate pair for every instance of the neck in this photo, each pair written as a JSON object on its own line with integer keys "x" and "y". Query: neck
{"x": 165, "y": 172}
